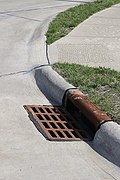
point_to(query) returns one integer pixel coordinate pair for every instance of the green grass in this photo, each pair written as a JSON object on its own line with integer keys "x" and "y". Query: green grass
{"x": 69, "y": 19}
{"x": 100, "y": 84}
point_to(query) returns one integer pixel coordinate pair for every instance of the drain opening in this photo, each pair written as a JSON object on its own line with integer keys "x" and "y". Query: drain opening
{"x": 48, "y": 110}
{"x": 41, "y": 110}
{"x": 46, "y": 125}
{"x": 61, "y": 117}
{"x": 67, "y": 125}
{"x": 53, "y": 125}
{"x": 67, "y": 134}
{"x": 52, "y": 134}
{"x": 61, "y": 126}
{"x": 60, "y": 134}
{"x": 55, "y": 110}
{"x": 40, "y": 117}
{"x": 54, "y": 117}
{"x": 47, "y": 117}
{"x": 34, "y": 109}
{"x": 75, "y": 134}
{"x": 56, "y": 124}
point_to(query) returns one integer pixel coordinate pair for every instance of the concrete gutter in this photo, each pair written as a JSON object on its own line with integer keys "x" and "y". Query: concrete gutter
{"x": 107, "y": 137}
{"x": 56, "y": 89}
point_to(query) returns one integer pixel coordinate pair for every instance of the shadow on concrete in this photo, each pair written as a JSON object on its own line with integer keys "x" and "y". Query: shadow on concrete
{"x": 104, "y": 154}
{"x": 43, "y": 89}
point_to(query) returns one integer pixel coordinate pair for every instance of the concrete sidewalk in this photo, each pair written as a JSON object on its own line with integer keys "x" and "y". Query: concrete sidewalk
{"x": 24, "y": 153}
{"x": 95, "y": 42}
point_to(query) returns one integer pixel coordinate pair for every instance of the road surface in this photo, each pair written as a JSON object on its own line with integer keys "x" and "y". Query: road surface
{"x": 24, "y": 152}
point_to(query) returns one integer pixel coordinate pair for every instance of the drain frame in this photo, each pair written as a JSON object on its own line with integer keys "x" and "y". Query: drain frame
{"x": 56, "y": 124}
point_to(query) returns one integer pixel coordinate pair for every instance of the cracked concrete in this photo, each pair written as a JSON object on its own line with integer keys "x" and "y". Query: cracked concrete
{"x": 24, "y": 71}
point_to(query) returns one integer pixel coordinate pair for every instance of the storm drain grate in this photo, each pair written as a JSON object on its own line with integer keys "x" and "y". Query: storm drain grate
{"x": 56, "y": 124}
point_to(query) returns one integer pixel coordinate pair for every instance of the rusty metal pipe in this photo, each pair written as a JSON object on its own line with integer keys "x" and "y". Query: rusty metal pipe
{"x": 87, "y": 108}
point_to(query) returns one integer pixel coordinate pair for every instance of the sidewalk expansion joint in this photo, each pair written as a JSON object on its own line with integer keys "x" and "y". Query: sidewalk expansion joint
{"x": 32, "y": 9}
{"x": 22, "y": 17}
{"x": 24, "y": 71}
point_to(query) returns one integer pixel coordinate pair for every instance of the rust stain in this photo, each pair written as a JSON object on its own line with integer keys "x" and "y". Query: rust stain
{"x": 90, "y": 110}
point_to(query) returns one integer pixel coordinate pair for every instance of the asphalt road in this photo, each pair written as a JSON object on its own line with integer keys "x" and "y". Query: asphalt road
{"x": 24, "y": 152}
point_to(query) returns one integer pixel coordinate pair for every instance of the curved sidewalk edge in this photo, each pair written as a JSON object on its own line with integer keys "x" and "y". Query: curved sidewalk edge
{"x": 94, "y": 42}
{"x": 107, "y": 137}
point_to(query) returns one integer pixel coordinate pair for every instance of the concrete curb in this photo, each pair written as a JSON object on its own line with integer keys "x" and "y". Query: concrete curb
{"x": 107, "y": 138}
{"x": 52, "y": 84}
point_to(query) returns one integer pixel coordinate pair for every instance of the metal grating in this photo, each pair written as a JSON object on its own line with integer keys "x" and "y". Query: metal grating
{"x": 56, "y": 124}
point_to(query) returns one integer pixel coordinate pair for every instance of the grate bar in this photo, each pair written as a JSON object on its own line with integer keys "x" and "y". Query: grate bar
{"x": 56, "y": 124}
